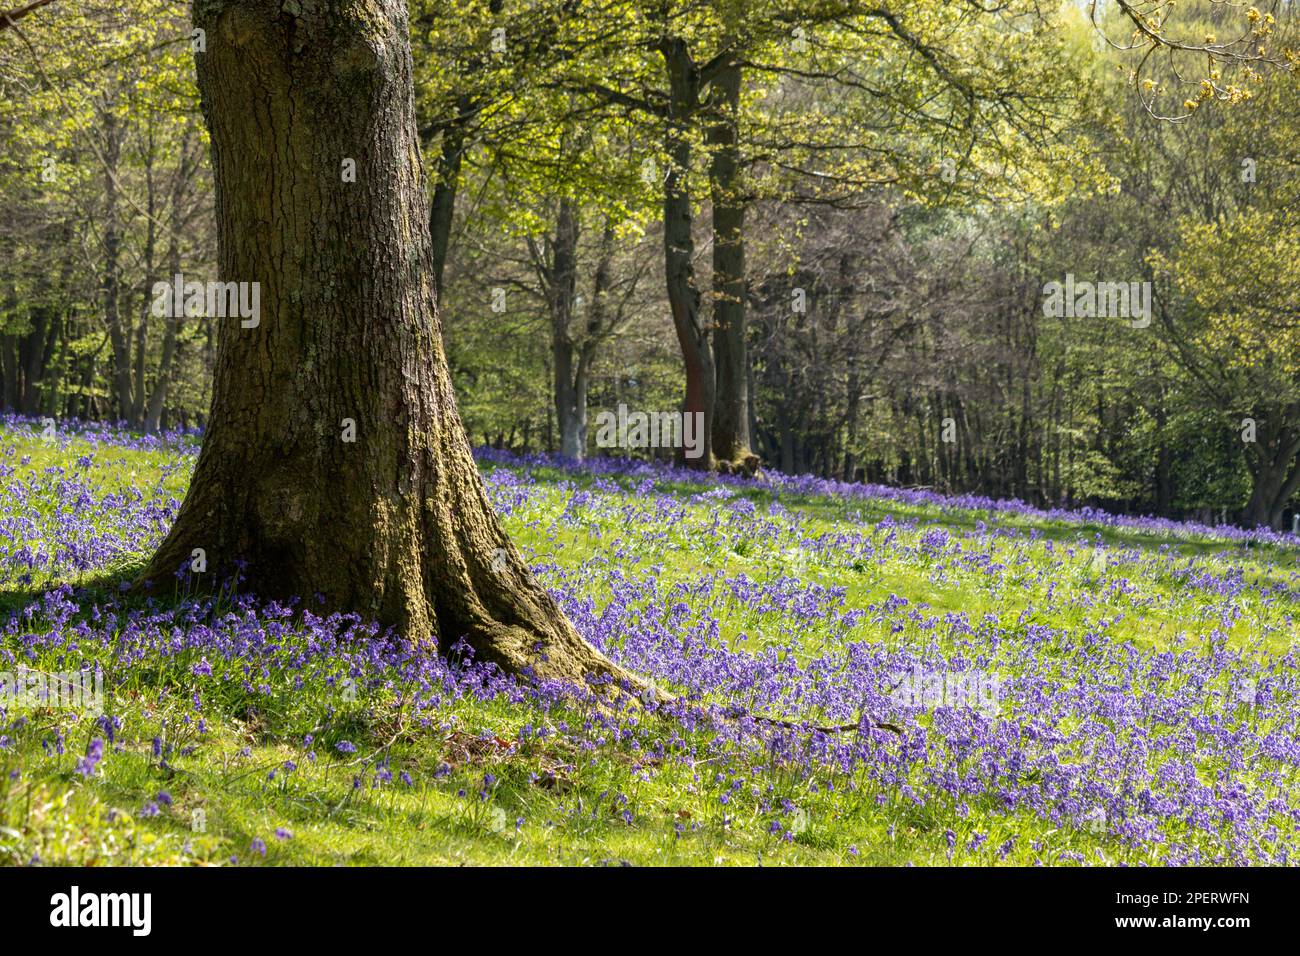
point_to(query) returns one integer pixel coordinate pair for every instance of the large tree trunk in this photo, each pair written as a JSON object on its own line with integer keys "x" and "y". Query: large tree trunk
{"x": 396, "y": 525}
{"x": 1274, "y": 468}
{"x": 679, "y": 244}
{"x": 731, "y": 439}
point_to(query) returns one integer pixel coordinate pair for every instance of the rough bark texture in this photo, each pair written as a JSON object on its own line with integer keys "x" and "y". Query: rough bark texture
{"x": 679, "y": 243}
{"x": 396, "y": 525}
{"x": 1274, "y": 471}
{"x": 731, "y": 439}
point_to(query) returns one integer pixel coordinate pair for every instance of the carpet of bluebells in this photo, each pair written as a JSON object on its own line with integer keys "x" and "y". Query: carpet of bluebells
{"x": 1060, "y": 687}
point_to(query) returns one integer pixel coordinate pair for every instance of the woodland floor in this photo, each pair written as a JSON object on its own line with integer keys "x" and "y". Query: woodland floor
{"x": 1088, "y": 690}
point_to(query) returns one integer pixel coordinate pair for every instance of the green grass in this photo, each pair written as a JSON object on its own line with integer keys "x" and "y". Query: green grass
{"x": 229, "y": 785}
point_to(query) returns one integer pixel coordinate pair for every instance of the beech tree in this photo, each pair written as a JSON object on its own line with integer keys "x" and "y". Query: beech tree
{"x": 394, "y": 524}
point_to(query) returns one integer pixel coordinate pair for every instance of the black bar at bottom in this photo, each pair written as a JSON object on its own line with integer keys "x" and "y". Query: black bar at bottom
{"x": 372, "y": 905}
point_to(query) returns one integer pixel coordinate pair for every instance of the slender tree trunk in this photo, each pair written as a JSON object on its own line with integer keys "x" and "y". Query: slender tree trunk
{"x": 10, "y": 395}
{"x": 43, "y": 338}
{"x": 395, "y": 525}
{"x": 560, "y": 281}
{"x": 158, "y": 396}
{"x": 581, "y": 385}
{"x": 31, "y": 351}
{"x": 442, "y": 210}
{"x": 679, "y": 245}
{"x": 139, "y": 396}
{"x": 8, "y": 373}
{"x": 119, "y": 334}
{"x": 36, "y": 349}
{"x": 785, "y": 427}
{"x": 55, "y": 365}
{"x": 601, "y": 321}
{"x": 455, "y": 141}
{"x": 731, "y": 438}
{"x": 1164, "y": 476}
{"x": 853, "y": 388}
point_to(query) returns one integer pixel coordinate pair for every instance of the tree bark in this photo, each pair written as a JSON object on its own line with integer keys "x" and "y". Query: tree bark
{"x": 679, "y": 244}
{"x": 158, "y": 396}
{"x": 731, "y": 438}
{"x": 560, "y": 283}
{"x": 1275, "y": 472}
{"x": 9, "y": 375}
{"x": 442, "y": 211}
{"x": 39, "y": 346}
{"x": 396, "y": 525}
{"x": 119, "y": 334}
{"x": 139, "y": 396}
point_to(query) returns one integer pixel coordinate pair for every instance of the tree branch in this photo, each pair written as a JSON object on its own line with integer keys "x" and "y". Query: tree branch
{"x": 9, "y": 17}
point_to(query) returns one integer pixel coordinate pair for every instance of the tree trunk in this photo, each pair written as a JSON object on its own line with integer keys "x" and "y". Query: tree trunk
{"x": 395, "y": 525}
{"x": 55, "y": 365}
{"x": 602, "y": 320}
{"x": 442, "y": 211}
{"x": 560, "y": 282}
{"x": 731, "y": 439}
{"x": 1275, "y": 474}
{"x": 119, "y": 334}
{"x": 139, "y": 396}
{"x": 679, "y": 245}
{"x": 158, "y": 397}
{"x": 37, "y": 347}
{"x": 10, "y": 395}
{"x": 1164, "y": 476}
{"x": 31, "y": 352}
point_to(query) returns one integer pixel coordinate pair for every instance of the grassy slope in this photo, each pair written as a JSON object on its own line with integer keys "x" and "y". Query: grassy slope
{"x": 557, "y": 800}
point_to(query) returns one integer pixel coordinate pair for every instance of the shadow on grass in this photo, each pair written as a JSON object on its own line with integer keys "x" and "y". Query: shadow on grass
{"x": 834, "y": 509}
{"x": 93, "y": 587}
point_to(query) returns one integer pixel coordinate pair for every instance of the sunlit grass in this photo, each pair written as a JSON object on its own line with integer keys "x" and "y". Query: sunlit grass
{"x": 250, "y": 771}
